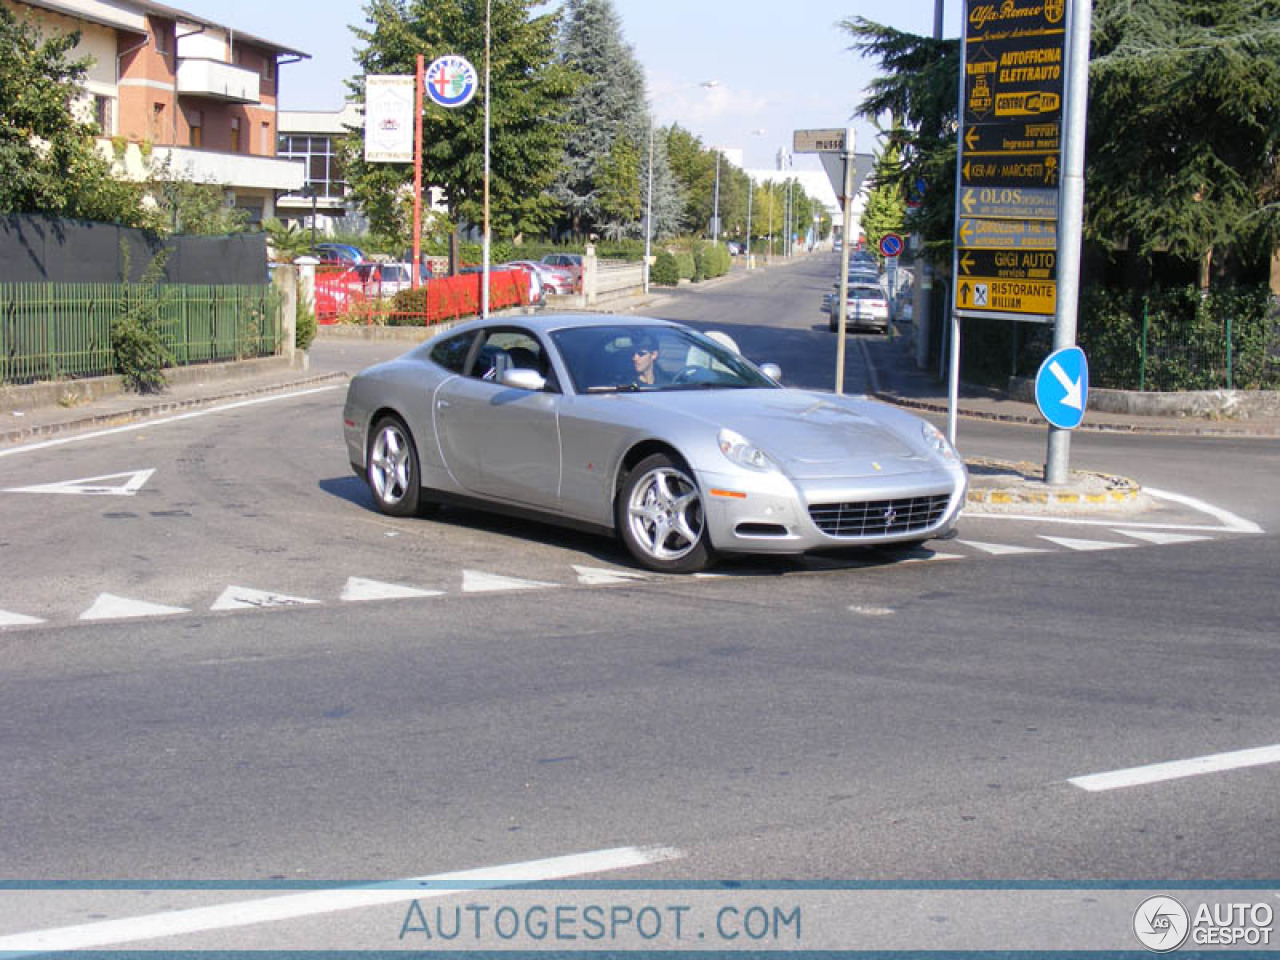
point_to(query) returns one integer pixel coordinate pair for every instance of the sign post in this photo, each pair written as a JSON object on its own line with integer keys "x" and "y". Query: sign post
{"x": 831, "y": 144}
{"x": 1019, "y": 176}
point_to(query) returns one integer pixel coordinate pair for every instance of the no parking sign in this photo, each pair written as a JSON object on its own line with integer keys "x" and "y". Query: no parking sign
{"x": 891, "y": 244}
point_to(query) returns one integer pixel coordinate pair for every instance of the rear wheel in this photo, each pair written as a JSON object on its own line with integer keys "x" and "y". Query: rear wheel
{"x": 392, "y": 468}
{"x": 660, "y": 517}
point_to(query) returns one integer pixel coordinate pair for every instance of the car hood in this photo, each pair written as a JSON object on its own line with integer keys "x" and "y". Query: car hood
{"x": 812, "y": 435}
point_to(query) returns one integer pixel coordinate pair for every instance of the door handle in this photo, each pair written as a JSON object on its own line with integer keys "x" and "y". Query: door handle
{"x": 441, "y": 404}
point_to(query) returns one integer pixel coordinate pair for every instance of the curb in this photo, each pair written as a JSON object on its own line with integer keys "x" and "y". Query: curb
{"x": 120, "y": 417}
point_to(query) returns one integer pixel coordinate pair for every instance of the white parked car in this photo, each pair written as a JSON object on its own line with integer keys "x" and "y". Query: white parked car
{"x": 867, "y": 308}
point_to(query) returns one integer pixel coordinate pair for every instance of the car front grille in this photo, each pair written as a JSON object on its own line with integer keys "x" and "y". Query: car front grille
{"x": 879, "y": 518}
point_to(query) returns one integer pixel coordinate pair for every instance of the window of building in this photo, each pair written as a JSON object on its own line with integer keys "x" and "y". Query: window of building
{"x": 156, "y": 132}
{"x": 195, "y": 120}
{"x": 323, "y": 172}
{"x": 264, "y": 142}
{"x": 103, "y": 114}
{"x": 235, "y": 134}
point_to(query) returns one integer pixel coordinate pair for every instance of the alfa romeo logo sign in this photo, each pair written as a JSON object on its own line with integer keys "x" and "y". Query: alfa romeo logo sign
{"x": 451, "y": 81}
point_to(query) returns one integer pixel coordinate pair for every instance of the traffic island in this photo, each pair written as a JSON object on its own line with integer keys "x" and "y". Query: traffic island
{"x": 1005, "y": 486}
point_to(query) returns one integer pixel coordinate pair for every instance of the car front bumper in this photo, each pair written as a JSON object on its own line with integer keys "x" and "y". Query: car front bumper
{"x": 774, "y": 513}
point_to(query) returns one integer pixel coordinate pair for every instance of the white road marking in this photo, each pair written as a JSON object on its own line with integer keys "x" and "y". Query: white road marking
{"x": 872, "y": 611}
{"x": 92, "y": 487}
{"x": 160, "y": 421}
{"x": 999, "y": 549}
{"x": 595, "y": 576}
{"x": 358, "y": 588}
{"x": 240, "y": 598}
{"x": 1160, "y": 537}
{"x": 476, "y": 581}
{"x": 1225, "y": 517}
{"x": 8, "y": 619}
{"x": 1086, "y": 545}
{"x": 110, "y": 607}
{"x": 92, "y": 936}
{"x": 1177, "y": 769}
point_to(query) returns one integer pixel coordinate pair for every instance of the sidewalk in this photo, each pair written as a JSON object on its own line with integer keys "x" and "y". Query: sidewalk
{"x": 895, "y": 379}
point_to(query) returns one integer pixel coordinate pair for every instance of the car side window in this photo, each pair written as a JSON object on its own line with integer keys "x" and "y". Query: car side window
{"x": 511, "y": 349}
{"x": 452, "y": 353}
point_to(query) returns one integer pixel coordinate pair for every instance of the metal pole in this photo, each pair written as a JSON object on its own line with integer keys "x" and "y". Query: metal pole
{"x": 953, "y": 387}
{"x": 1070, "y": 226}
{"x": 715, "y": 210}
{"x": 842, "y": 307}
{"x": 417, "y": 171}
{"x": 648, "y": 210}
{"x": 484, "y": 269}
{"x": 751, "y": 190}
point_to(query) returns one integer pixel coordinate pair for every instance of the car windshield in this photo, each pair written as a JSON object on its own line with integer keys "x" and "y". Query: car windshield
{"x": 608, "y": 359}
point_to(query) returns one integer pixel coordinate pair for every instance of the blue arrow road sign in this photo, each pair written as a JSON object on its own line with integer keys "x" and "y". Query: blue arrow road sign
{"x": 1062, "y": 387}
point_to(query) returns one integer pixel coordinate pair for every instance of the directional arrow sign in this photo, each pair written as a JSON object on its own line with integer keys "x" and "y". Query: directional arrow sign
{"x": 1062, "y": 387}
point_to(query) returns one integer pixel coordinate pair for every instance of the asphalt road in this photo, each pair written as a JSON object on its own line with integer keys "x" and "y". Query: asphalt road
{"x": 876, "y": 716}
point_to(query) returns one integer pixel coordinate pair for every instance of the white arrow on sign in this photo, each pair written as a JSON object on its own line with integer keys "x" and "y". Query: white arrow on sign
{"x": 1073, "y": 397}
{"x": 94, "y": 486}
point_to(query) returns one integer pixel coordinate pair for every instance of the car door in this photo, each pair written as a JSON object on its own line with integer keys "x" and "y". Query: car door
{"x": 499, "y": 441}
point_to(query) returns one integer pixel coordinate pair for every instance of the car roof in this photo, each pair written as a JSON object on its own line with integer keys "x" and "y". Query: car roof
{"x": 544, "y": 323}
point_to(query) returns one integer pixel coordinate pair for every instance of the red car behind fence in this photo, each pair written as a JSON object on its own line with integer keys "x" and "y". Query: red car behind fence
{"x": 341, "y": 293}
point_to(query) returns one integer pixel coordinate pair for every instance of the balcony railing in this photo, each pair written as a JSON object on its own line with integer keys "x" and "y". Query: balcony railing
{"x": 202, "y": 77}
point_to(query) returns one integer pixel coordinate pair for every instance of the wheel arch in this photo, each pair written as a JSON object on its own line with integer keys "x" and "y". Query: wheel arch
{"x": 637, "y": 452}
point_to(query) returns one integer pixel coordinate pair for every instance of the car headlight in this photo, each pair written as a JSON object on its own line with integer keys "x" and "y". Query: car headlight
{"x": 937, "y": 441}
{"x": 744, "y": 453}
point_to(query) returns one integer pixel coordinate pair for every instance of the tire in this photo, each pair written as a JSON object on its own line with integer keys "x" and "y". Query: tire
{"x": 391, "y": 468}
{"x": 660, "y": 517}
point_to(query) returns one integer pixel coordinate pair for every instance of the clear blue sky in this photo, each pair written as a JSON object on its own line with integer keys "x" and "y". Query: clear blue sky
{"x": 778, "y": 66}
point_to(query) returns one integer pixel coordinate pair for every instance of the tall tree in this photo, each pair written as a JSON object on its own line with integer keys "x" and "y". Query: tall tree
{"x": 48, "y": 160}
{"x": 886, "y": 205}
{"x": 530, "y": 89}
{"x": 1184, "y": 126}
{"x": 609, "y": 104}
{"x": 620, "y": 199}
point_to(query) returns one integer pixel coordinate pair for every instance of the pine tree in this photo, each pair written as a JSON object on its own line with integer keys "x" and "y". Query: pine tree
{"x": 609, "y": 104}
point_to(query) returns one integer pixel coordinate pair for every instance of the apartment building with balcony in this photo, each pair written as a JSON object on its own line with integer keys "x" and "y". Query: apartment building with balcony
{"x": 179, "y": 95}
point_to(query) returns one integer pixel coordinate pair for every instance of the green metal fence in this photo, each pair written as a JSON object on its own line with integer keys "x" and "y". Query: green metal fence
{"x": 50, "y": 331}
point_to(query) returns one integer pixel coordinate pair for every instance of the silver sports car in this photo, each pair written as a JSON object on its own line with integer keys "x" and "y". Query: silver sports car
{"x": 648, "y": 430}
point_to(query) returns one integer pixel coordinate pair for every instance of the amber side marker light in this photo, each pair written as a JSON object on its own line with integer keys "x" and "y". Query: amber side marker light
{"x": 734, "y": 494}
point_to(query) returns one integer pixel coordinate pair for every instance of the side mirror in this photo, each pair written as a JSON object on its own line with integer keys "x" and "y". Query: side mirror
{"x": 772, "y": 371}
{"x": 523, "y": 379}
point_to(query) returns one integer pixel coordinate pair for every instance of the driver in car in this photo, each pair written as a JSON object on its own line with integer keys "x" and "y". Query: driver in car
{"x": 644, "y": 356}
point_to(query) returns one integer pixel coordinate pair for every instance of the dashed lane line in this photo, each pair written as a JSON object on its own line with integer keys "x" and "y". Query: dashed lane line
{"x": 1177, "y": 769}
{"x": 196, "y": 920}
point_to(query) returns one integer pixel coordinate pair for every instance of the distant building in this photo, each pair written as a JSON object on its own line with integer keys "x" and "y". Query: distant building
{"x": 178, "y": 95}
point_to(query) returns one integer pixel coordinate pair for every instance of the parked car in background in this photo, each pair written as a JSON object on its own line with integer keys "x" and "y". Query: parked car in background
{"x": 568, "y": 261}
{"x": 867, "y": 308}
{"x": 344, "y": 253}
{"x": 385, "y": 279}
{"x": 537, "y": 296}
{"x": 556, "y": 281}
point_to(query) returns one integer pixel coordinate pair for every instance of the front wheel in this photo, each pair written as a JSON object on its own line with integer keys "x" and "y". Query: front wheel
{"x": 392, "y": 468}
{"x": 660, "y": 517}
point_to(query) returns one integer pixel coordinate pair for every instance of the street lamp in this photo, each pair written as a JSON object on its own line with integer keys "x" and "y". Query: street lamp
{"x": 715, "y": 207}
{"x": 648, "y": 204}
{"x": 751, "y": 190}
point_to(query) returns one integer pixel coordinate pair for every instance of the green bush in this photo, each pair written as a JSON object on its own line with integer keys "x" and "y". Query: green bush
{"x": 304, "y": 324}
{"x": 684, "y": 260}
{"x": 665, "y": 270}
{"x": 137, "y": 340}
{"x": 699, "y": 264}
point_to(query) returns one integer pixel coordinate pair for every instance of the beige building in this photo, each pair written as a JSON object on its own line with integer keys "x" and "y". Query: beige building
{"x": 179, "y": 95}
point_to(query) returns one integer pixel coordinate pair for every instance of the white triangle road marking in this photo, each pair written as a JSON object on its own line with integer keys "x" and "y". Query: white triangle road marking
{"x": 1086, "y": 545}
{"x": 244, "y": 598}
{"x": 108, "y": 606}
{"x": 94, "y": 486}
{"x": 594, "y": 576}
{"x": 358, "y": 588}
{"x": 8, "y": 619}
{"x": 476, "y": 581}
{"x": 1155, "y": 536}
{"x": 999, "y": 549}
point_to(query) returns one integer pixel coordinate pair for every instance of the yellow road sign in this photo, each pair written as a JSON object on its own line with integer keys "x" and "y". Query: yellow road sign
{"x": 995, "y": 295}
